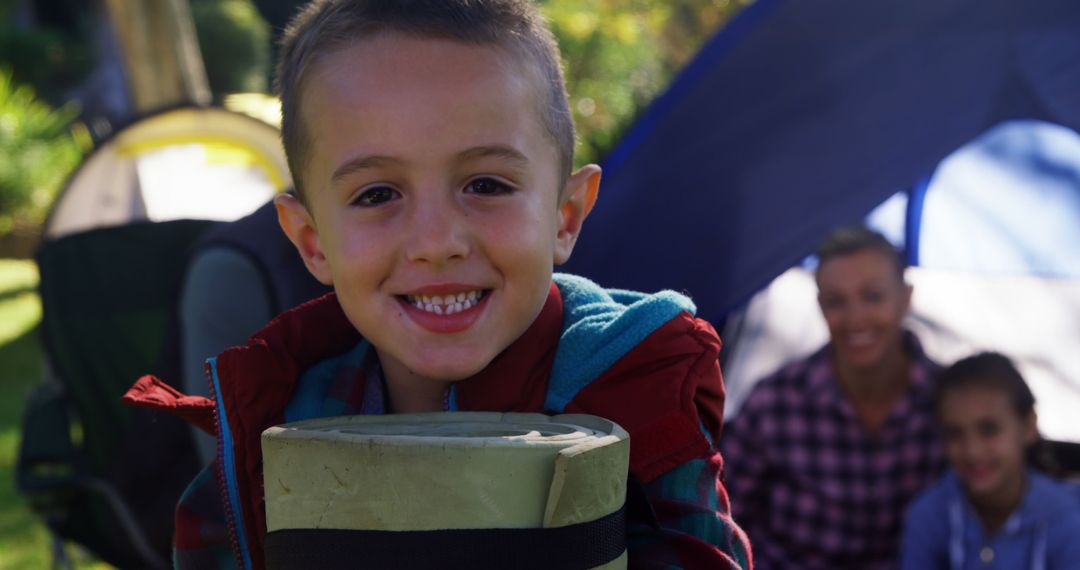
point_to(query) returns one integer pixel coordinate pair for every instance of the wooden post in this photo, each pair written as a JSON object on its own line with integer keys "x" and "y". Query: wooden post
{"x": 161, "y": 52}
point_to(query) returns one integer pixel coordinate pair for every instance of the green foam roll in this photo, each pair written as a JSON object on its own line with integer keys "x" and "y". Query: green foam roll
{"x": 461, "y": 470}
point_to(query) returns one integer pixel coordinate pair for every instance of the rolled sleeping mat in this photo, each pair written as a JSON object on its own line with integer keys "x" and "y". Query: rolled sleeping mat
{"x": 446, "y": 490}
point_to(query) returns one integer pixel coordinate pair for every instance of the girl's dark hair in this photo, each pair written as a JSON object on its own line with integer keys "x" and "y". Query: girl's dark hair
{"x": 994, "y": 370}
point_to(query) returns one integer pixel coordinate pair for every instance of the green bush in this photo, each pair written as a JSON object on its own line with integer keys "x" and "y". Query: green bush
{"x": 619, "y": 55}
{"x": 235, "y": 45}
{"x": 53, "y": 51}
{"x": 37, "y": 152}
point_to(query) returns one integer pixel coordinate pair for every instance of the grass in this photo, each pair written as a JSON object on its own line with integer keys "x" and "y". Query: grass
{"x": 24, "y": 541}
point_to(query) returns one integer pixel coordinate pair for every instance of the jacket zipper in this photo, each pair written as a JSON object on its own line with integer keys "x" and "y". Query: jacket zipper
{"x": 223, "y": 485}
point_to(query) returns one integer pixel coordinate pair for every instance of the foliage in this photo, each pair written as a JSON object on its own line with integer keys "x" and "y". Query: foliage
{"x": 619, "y": 54}
{"x": 235, "y": 44}
{"x": 7, "y": 10}
{"x": 55, "y": 54}
{"x": 37, "y": 151}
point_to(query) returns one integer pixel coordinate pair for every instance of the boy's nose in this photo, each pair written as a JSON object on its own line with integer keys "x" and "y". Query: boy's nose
{"x": 438, "y": 234}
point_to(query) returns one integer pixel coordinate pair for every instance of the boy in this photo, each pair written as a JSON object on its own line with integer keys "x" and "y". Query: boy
{"x": 431, "y": 145}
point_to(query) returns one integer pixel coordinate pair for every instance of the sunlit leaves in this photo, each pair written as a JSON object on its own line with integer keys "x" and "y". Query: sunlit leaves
{"x": 619, "y": 54}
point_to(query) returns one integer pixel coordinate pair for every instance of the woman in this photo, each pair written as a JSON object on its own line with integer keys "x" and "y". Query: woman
{"x": 825, "y": 453}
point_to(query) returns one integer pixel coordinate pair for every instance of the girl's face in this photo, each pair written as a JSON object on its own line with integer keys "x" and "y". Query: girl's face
{"x": 986, "y": 440}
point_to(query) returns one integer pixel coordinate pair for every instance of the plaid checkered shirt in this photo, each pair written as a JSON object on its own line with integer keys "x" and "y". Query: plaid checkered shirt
{"x": 811, "y": 487}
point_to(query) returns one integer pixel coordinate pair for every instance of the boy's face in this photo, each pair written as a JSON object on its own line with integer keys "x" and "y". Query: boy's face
{"x": 433, "y": 199}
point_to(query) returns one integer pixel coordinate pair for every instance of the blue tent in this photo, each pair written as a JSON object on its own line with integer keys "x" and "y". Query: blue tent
{"x": 801, "y": 116}
{"x": 951, "y": 125}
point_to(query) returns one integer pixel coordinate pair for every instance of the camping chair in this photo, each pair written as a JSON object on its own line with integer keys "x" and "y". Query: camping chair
{"x": 115, "y": 247}
{"x": 99, "y": 473}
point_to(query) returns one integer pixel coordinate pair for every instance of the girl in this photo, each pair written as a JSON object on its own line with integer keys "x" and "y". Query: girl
{"x": 995, "y": 508}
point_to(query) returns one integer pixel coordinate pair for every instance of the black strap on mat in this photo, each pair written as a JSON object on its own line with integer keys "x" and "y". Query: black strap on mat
{"x": 583, "y": 545}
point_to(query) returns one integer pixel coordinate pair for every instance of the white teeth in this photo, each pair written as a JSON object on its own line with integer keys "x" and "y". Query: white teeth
{"x": 447, "y": 305}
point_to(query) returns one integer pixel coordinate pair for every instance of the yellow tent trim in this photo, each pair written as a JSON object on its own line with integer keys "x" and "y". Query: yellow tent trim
{"x": 219, "y": 150}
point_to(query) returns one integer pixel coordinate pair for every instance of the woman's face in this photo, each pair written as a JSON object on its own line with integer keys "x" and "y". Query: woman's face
{"x": 985, "y": 440}
{"x": 864, "y": 302}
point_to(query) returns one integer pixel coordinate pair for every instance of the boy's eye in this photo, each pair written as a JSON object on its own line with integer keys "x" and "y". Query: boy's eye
{"x": 487, "y": 186}
{"x": 375, "y": 196}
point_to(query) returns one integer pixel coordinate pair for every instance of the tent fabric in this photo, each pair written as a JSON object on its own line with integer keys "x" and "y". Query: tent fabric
{"x": 801, "y": 116}
{"x": 1008, "y": 203}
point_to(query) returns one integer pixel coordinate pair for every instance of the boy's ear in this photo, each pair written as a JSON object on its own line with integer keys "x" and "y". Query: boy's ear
{"x": 578, "y": 199}
{"x": 297, "y": 223}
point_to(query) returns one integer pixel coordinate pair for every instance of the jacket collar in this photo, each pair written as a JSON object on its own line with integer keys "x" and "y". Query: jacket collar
{"x": 517, "y": 379}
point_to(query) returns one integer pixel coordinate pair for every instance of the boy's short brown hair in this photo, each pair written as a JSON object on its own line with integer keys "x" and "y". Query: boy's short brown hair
{"x": 327, "y": 25}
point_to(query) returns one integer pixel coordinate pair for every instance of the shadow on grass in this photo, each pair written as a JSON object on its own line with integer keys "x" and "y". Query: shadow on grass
{"x": 21, "y": 370}
{"x": 23, "y": 538}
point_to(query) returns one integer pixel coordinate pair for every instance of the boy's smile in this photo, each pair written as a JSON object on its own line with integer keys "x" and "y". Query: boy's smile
{"x": 433, "y": 201}
{"x": 448, "y": 313}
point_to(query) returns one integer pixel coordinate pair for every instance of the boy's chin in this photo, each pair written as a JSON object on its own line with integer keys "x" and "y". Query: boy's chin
{"x": 449, "y": 372}
{"x": 430, "y": 364}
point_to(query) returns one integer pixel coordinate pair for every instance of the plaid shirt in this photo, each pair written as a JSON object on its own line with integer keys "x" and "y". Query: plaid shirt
{"x": 811, "y": 487}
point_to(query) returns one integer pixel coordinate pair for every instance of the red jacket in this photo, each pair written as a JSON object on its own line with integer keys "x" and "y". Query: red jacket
{"x": 665, "y": 390}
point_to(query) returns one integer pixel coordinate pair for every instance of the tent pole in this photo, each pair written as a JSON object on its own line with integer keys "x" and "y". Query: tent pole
{"x": 913, "y": 220}
{"x": 161, "y": 53}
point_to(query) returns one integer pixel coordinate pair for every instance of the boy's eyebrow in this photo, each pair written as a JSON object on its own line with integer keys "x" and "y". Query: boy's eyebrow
{"x": 361, "y": 163}
{"x": 485, "y": 151}
{"x": 494, "y": 151}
